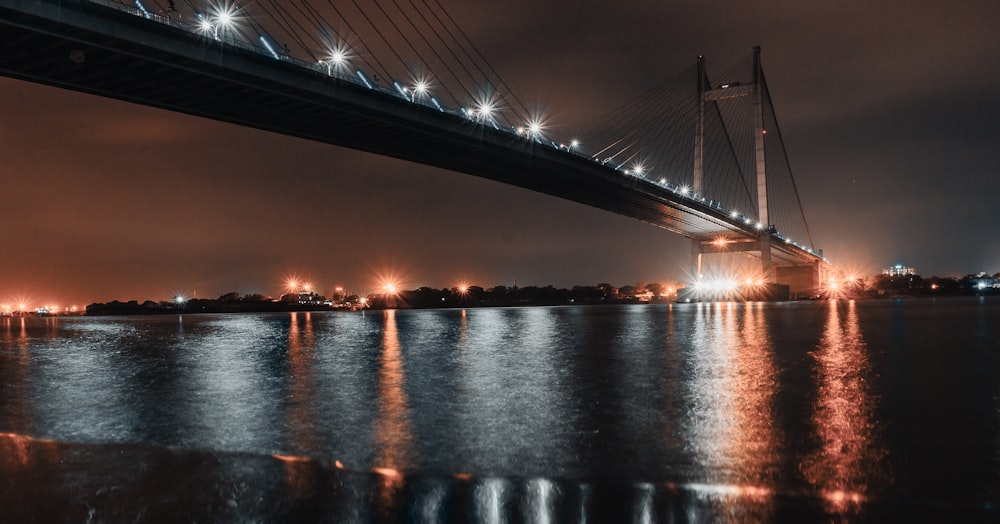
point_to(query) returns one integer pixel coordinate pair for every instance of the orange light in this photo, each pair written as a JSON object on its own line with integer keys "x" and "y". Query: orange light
{"x": 290, "y": 458}
{"x": 388, "y": 473}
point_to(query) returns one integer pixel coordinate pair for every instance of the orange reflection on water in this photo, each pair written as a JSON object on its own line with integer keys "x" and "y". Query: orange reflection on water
{"x": 302, "y": 382}
{"x": 463, "y": 329}
{"x": 300, "y": 475}
{"x": 844, "y": 465}
{"x": 23, "y": 451}
{"x": 393, "y": 434}
{"x": 18, "y": 400}
{"x": 15, "y": 332}
{"x": 731, "y": 414}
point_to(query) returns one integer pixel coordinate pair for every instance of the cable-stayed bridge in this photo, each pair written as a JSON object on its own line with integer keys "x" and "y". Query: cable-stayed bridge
{"x": 692, "y": 155}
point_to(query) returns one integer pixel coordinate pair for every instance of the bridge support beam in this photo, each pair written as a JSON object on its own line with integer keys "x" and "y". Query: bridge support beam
{"x": 766, "y": 265}
{"x": 696, "y": 251}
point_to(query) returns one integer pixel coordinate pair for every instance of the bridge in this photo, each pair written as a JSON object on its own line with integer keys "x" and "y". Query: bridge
{"x": 214, "y": 62}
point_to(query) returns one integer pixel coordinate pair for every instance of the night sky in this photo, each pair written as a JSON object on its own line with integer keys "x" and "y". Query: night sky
{"x": 889, "y": 111}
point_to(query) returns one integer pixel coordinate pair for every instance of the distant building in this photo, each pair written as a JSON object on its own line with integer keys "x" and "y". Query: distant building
{"x": 304, "y": 298}
{"x": 983, "y": 281}
{"x": 899, "y": 270}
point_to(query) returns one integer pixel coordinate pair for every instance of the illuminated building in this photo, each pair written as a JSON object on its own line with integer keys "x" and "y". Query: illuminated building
{"x": 899, "y": 270}
{"x": 984, "y": 281}
{"x": 305, "y": 298}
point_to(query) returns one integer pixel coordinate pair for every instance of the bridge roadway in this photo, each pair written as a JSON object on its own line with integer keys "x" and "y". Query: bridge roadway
{"x": 108, "y": 51}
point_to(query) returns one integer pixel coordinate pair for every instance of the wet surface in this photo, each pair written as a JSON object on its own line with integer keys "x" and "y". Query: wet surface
{"x": 696, "y": 412}
{"x": 44, "y": 481}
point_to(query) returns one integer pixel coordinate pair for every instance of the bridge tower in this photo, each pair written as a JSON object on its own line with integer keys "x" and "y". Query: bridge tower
{"x": 706, "y": 93}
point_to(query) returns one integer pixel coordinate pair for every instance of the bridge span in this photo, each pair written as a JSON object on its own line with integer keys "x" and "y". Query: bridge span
{"x": 113, "y": 50}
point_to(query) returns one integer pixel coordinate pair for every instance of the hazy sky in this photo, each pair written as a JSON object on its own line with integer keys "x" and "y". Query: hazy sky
{"x": 889, "y": 112}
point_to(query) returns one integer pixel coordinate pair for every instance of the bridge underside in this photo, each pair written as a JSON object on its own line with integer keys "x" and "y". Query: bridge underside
{"x": 804, "y": 278}
{"x": 103, "y": 51}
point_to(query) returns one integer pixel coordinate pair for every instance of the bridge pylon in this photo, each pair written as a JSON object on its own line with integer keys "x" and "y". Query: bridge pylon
{"x": 804, "y": 275}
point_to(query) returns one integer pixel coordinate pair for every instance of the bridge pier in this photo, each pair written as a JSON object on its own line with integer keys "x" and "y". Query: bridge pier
{"x": 766, "y": 265}
{"x": 696, "y": 251}
{"x": 804, "y": 279}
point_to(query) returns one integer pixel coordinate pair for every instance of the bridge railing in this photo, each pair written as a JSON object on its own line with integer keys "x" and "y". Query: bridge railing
{"x": 240, "y": 43}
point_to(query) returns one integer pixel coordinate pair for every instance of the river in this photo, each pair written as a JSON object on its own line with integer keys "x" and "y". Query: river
{"x": 878, "y": 409}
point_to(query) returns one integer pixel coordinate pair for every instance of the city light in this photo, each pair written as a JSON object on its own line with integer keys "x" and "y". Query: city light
{"x": 485, "y": 110}
{"x": 421, "y": 87}
{"x": 225, "y": 16}
{"x": 536, "y": 126}
{"x": 339, "y": 56}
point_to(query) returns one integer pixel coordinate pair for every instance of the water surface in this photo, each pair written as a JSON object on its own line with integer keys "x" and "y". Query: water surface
{"x": 718, "y": 411}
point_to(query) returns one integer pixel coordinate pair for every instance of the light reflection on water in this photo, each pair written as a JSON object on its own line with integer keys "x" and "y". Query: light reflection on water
{"x": 726, "y": 404}
{"x": 843, "y": 413}
{"x": 393, "y": 434}
{"x": 301, "y": 395}
{"x": 730, "y": 423}
{"x": 730, "y": 420}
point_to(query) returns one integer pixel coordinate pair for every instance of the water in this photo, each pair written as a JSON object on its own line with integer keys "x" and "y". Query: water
{"x": 873, "y": 409}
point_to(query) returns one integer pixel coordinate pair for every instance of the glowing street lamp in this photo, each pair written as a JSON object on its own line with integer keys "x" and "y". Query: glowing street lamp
{"x": 421, "y": 88}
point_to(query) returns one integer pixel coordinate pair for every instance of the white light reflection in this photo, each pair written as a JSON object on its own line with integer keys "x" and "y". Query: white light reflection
{"x": 541, "y": 501}
{"x": 730, "y": 421}
{"x": 432, "y": 504}
{"x": 490, "y": 497}
{"x": 642, "y": 510}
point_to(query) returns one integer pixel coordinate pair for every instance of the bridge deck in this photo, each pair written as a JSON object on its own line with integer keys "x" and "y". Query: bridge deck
{"x": 95, "y": 49}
